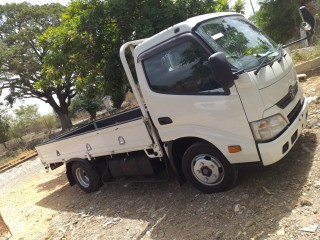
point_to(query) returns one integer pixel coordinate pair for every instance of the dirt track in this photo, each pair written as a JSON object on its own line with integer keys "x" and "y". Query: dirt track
{"x": 267, "y": 203}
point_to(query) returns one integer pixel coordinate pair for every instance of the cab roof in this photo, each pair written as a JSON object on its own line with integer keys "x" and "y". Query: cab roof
{"x": 177, "y": 29}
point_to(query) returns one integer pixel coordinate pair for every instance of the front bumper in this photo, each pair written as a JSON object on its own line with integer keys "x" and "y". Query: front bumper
{"x": 275, "y": 150}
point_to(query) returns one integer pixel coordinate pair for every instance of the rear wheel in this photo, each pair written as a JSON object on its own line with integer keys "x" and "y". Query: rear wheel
{"x": 86, "y": 176}
{"x": 207, "y": 169}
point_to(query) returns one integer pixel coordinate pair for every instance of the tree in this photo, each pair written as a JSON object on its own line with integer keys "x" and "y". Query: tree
{"x": 239, "y": 6}
{"x": 22, "y": 57}
{"x": 26, "y": 120}
{"x": 93, "y": 31}
{"x": 87, "y": 101}
{"x": 4, "y": 127}
{"x": 278, "y": 18}
{"x": 188, "y": 8}
{"x": 50, "y": 122}
{"x": 222, "y": 6}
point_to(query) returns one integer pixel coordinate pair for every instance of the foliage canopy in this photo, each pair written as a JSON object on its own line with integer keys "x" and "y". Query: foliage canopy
{"x": 278, "y": 18}
{"x": 4, "y": 126}
{"x": 22, "y": 57}
{"x": 47, "y": 50}
{"x": 93, "y": 32}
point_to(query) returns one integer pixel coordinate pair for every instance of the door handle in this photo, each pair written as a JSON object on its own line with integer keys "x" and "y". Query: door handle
{"x": 164, "y": 120}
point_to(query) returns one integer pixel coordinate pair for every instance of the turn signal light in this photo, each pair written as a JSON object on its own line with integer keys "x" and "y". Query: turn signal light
{"x": 234, "y": 149}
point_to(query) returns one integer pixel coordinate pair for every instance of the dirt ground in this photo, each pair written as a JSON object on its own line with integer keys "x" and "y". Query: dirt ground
{"x": 276, "y": 202}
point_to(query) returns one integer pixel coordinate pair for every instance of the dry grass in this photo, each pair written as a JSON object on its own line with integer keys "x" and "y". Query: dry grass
{"x": 15, "y": 156}
{"x": 306, "y": 54}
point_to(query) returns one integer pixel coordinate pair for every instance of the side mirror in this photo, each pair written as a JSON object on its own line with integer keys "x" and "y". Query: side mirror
{"x": 308, "y": 23}
{"x": 306, "y": 26}
{"x": 308, "y": 20}
{"x": 221, "y": 70}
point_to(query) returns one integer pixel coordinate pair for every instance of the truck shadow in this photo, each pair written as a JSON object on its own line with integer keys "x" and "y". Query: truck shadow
{"x": 253, "y": 209}
{"x": 55, "y": 183}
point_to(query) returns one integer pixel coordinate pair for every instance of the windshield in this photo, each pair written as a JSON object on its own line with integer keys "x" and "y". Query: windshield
{"x": 244, "y": 45}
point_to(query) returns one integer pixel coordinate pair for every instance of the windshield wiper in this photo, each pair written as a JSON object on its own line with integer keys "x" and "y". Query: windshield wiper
{"x": 264, "y": 58}
{"x": 281, "y": 52}
{"x": 280, "y": 49}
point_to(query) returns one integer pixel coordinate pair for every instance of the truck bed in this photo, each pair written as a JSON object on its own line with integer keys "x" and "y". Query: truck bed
{"x": 123, "y": 132}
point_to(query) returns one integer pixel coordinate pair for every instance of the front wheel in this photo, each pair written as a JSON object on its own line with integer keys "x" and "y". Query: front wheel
{"x": 86, "y": 176}
{"x": 207, "y": 169}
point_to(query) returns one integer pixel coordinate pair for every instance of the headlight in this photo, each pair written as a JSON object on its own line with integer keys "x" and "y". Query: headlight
{"x": 268, "y": 128}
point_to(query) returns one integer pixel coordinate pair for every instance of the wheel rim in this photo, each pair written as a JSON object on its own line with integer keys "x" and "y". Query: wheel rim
{"x": 82, "y": 177}
{"x": 207, "y": 169}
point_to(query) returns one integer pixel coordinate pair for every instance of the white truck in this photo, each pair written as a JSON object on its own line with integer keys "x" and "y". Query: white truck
{"x": 215, "y": 93}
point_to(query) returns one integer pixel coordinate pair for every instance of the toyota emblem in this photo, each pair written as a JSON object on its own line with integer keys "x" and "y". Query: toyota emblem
{"x": 292, "y": 92}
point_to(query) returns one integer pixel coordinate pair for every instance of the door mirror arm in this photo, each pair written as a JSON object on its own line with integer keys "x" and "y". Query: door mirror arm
{"x": 236, "y": 74}
{"x": 297, "y": 41}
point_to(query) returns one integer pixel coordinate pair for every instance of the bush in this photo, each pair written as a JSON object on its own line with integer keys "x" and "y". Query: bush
{"x": 49, "y": 122}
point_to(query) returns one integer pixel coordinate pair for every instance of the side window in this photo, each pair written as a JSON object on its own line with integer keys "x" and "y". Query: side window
{"x": 182, "y": 69}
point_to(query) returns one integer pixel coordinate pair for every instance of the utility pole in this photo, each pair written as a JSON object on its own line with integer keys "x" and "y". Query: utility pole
{"x": 254, "y": 13}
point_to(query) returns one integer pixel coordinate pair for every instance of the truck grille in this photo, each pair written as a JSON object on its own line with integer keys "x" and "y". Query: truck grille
{"x": 289, "y": 97}
{"x": 295, "y": 112}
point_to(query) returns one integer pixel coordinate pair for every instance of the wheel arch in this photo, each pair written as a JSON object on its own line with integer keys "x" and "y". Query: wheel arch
{"x": 176, "y": 150}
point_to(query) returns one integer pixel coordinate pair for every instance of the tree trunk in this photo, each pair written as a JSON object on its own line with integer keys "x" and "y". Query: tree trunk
{"x": 61, "y": 111}
{"x": 5, "y": 146}
{"x": 64, "y": 120}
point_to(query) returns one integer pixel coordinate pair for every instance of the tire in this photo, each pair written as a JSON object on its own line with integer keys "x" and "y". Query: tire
{"x": 207, "y": 169}
{"x": 86, "y": 176}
